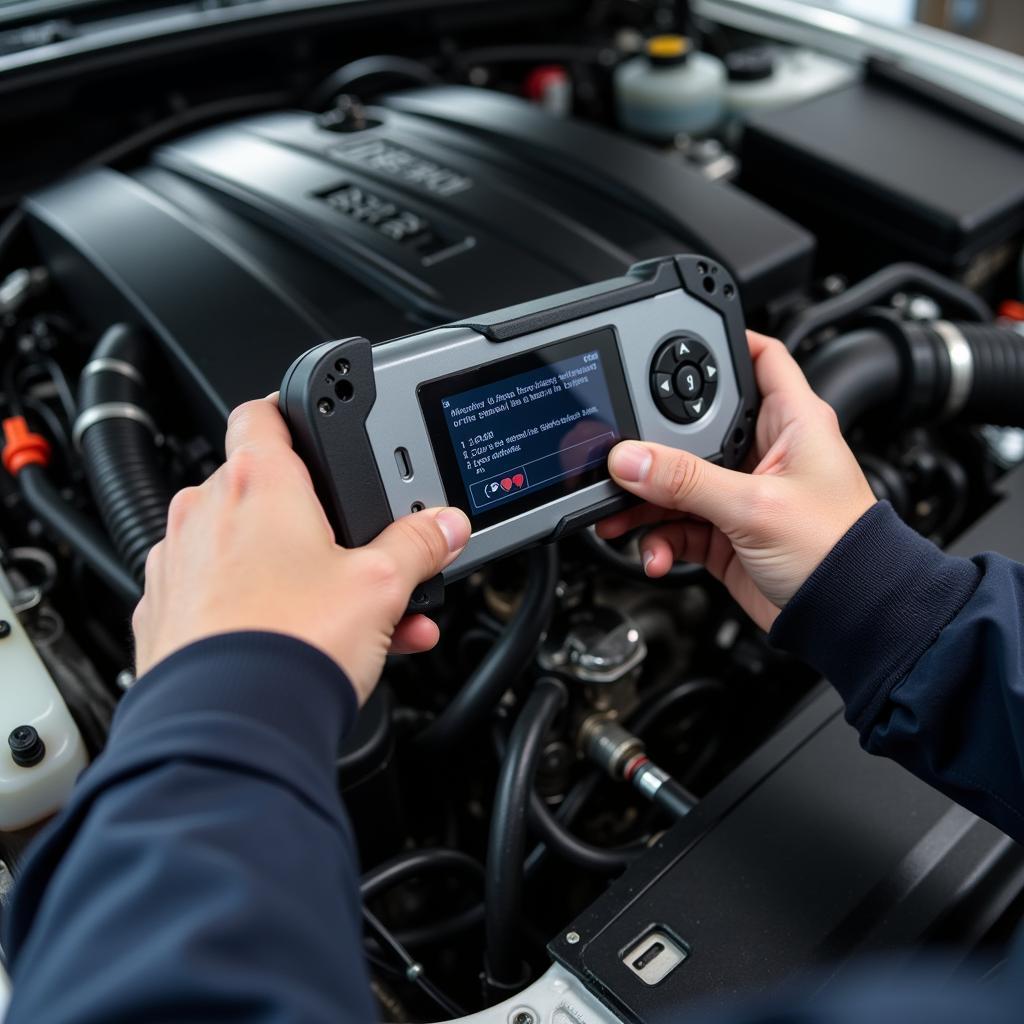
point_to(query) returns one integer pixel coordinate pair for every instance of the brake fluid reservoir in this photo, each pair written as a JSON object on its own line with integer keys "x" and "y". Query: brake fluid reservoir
{"x": 41, "y": 751}
{"x": 670, "y": 89}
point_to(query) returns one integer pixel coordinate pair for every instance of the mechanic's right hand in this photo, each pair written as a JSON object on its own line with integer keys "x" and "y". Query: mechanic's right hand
{"x": 251, "y": 549}
{"x": 762, "y": 534}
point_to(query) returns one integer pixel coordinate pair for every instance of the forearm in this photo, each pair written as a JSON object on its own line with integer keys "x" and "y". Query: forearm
{"x": 205, "y": 861}
{"x": 926, "y": 650}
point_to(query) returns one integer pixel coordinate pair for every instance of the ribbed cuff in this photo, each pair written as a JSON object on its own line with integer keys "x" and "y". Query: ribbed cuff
{"x": 263, "y": 703}
{"x": 876, "y": 603}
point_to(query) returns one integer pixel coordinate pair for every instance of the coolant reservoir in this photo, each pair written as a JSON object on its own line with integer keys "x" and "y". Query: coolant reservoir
{"x": 771, "y": 78}
{"x": 41, "y": 751}
{"x": 669, "y": 90}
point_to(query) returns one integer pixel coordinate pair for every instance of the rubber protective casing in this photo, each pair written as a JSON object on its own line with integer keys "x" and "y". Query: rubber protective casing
{"x": 327, "y": 394}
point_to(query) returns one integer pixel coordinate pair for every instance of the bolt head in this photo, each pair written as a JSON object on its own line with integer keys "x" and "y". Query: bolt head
{"x": 523, "y": 1017}
{"x": 572, "y": 938}
{"x": 5, "y": 629}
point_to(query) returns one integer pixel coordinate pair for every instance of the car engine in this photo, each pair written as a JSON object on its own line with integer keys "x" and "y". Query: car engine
{"x": 197, "y": 202}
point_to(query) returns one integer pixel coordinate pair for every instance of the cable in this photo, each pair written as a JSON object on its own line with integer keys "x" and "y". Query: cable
{"x": 558, "y": 839}
{"x": 872, "y": 290}
{"x": 567, "y": 812}
{"x": 441, "y": 931}
{"x": 9, "y": 228}
{"x": 506, "y": 845}
{"x": 413, "y": 969}
{"x": 554, "y": 833}
{"x": 408, "y": 865}
{"x": 60, "y": 382}
{"x": 643, "y": 717}
{"x": 385, "y": 69}
{"x": 79, "y": 533}
{"x": 503, "y": 664}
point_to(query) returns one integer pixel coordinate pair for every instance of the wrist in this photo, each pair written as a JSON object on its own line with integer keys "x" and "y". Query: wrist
{"x": 277, "y": 679}
{"x": 873, "y": 606}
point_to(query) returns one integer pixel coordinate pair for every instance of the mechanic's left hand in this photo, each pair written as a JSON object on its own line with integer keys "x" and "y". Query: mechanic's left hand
{"x": 251, "y": 549}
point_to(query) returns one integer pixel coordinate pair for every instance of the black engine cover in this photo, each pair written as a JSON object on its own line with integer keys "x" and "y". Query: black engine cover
{"x": 245, "y": 244}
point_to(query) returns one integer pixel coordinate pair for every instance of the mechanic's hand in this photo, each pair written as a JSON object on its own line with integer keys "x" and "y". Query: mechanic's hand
{"x": 762, "y": 534}
{"x": 251, "y": 549}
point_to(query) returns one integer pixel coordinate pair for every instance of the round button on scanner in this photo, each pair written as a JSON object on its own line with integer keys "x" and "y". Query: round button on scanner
{"x": 688, "y": 381}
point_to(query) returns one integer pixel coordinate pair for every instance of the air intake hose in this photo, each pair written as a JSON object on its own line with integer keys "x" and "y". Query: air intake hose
{"x": 938, "y": 370}
{"x": 117, "y": 438}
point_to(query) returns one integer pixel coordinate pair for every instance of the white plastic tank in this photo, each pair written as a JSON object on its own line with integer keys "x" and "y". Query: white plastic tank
{"x": 774, "y": 77}
{"x": 42, "y": 752}
{"x": 670, "y": 89}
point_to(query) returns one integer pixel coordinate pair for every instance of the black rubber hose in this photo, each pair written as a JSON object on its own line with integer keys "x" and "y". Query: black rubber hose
{"x": 873, "y": 290}
{"x": 997, "y": 384}
{"x": 116, "y": 435}
{"x": 559, "y": 840}
{"x": 645, "y": 716}
{"x": 506, "y": 846}
{"x": 674, "y": 798}
{"x": 875, "y": 366}
{"x": 855, "y": 373}
{"x": 442, "y": 931}
{"x": 512, "y": 652}
{"x": 78, "y": 532}
{"x": 414, "y": 863}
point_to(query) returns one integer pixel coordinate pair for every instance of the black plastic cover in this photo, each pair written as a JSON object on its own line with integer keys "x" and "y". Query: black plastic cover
{"x": 247, "y": 243}
{"x": 891, "y": 166}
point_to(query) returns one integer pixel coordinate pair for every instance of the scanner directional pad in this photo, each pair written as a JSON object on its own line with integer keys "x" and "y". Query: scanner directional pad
{"x": 684, "y": 378}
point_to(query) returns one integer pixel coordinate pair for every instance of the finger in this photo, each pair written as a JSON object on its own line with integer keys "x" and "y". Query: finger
{"x": 633, "y": 518}
{"x": 414, "y": 634}
{"x": 258, "y": 429}
{"x": 258, "y": 423}
{"x": 675, "y": 479}
{"x": 775, "y": 369}
{"x": 422, "y": 544}
{"x": 674, "y": 542}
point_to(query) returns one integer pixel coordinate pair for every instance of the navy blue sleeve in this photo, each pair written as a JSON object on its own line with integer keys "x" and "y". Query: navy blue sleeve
{"x": 204, "y": 869}
{"x": 927, "y": 651}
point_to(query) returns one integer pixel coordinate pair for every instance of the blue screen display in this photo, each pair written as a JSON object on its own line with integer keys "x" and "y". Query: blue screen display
{"x": 523, "y": 437}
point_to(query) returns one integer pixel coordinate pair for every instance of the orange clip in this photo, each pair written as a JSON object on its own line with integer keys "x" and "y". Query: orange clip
{"x": 1011, "y": 309}
{"x": 22, "y": 447}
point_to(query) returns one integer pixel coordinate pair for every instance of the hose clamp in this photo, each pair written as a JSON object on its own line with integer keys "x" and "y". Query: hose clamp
{"x": 111, "y": 411}
{"x": 649, "y": 779}
{"x": 106, "y": 364}
{"x": 961, "y": 366}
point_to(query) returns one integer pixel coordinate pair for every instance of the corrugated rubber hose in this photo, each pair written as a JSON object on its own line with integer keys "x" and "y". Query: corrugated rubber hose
{"x": 118, "y": 440}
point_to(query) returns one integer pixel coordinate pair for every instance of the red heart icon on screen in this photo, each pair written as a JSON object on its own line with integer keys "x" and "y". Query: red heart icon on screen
{"x": 518, "y": 479}
{"x": 506, "y": 484}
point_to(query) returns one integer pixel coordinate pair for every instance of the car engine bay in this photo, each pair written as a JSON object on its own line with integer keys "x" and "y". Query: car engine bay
{"x": 201, "y": 205}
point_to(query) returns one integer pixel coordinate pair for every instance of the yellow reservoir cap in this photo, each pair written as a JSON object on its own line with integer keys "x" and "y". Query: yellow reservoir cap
{"x": 665, "y": 47}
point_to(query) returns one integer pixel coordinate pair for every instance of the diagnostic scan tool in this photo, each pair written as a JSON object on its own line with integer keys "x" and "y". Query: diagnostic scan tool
{"x": 510, "y": 416}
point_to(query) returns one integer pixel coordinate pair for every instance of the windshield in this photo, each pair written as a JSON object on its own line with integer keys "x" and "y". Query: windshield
{"x": 999, "y": 23}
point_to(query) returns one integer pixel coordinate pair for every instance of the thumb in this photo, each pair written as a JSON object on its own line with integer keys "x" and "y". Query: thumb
{"x": 678, "y": 480}
{"x": 422, "y": 544}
